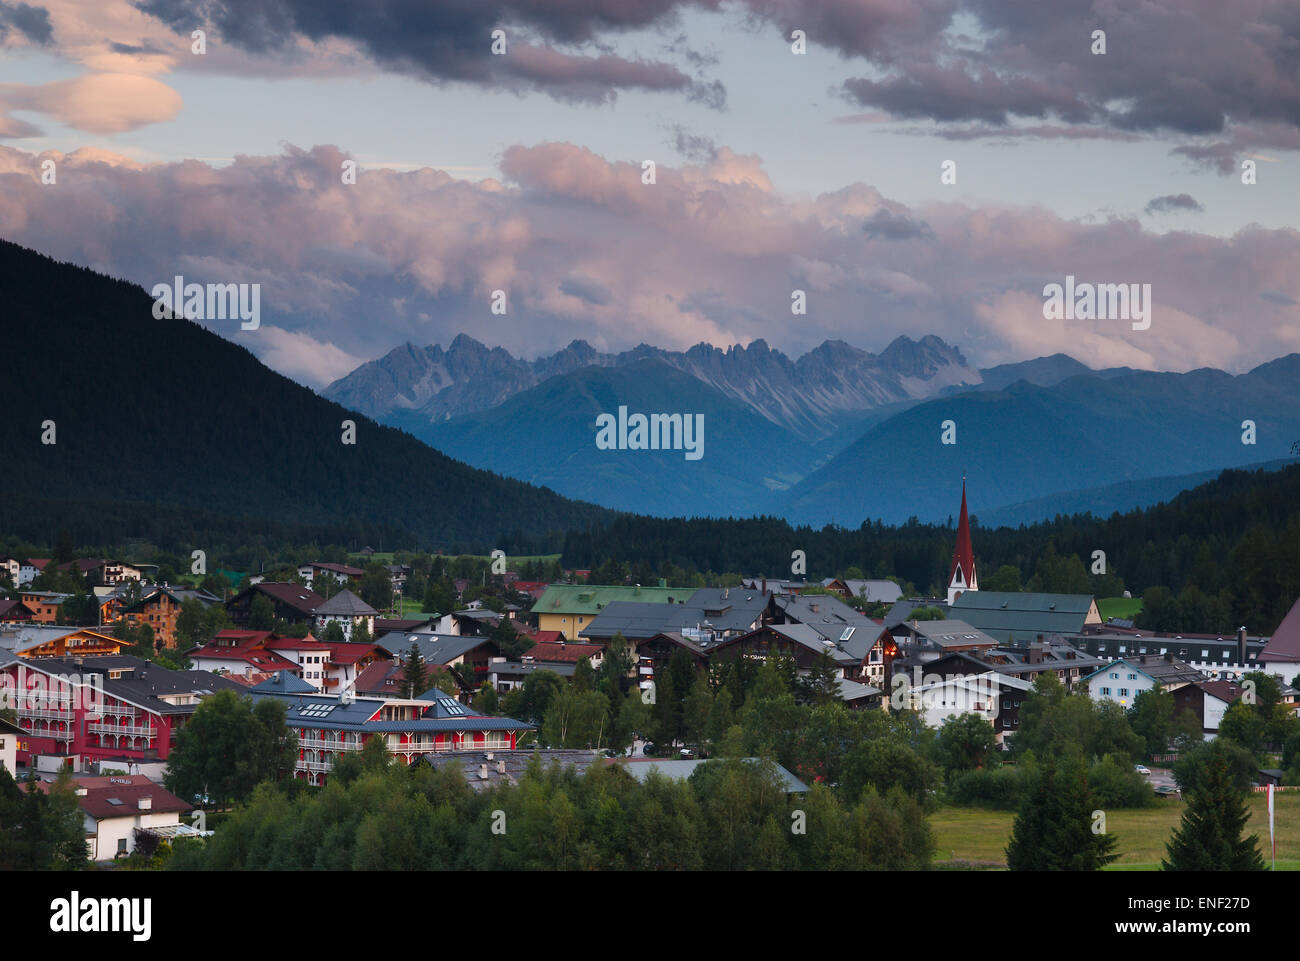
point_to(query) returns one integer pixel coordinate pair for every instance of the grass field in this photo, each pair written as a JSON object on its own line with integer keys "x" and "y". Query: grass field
{"x": 1109, "y": 607}
{"x": 964, "y": 835}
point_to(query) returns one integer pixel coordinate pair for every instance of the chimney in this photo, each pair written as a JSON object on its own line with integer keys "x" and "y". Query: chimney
{"x": 501, "y": 766}
{"x": 482, "y": 772}
{"x": 1241, "y": 645}
{"x": 764, "y": 583}
{"x": 146, "y": 803}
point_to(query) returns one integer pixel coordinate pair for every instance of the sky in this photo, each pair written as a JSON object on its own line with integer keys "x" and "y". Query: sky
{"x": 775, "y": 171}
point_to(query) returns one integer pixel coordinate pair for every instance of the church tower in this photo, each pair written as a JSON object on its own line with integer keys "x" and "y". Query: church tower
{"x": 963, "y": 556}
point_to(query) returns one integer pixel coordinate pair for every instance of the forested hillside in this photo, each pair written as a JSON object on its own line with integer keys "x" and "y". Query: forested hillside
{"x": 152, "y": 415}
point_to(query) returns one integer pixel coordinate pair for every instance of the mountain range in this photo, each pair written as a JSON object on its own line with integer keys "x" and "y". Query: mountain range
{"x": 839, "y": 435}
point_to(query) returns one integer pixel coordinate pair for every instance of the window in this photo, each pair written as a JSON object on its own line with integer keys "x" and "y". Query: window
{"x": 1114, "y": 675}
{"x": 121, "y": 845}
{"x": 1105, "y": 692}
{"x": 1123, "y": 692}
{"x": 1132, "y": 677}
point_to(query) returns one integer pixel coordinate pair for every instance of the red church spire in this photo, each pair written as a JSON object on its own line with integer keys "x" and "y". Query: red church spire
{"x": 962, "y": 577}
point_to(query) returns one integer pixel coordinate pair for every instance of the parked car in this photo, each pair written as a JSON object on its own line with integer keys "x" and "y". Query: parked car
{"x": 1143, "y": 770}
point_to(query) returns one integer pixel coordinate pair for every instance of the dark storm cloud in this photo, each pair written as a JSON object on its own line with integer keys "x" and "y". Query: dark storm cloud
{"x": 32, "y": 22}
{"x": 450, "y": 40}
{"x": 1173, "y": 202}
{"x": 887, "y": 225}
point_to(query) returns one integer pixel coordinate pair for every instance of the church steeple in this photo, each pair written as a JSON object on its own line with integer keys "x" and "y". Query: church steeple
{"x": 963, "y": 556}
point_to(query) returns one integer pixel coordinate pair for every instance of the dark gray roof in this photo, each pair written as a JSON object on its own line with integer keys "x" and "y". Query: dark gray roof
{"x": 144, "y": 686}
{"x": 345, "y": 604}
{"x": 433, "y": 648}
{"x": 725, "y": 610}
{"x": 284, "y": 682}
{"x": 1021, "y": 615}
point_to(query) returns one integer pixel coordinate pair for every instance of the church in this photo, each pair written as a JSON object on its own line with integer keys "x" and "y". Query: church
{"x": 963, "y": 577}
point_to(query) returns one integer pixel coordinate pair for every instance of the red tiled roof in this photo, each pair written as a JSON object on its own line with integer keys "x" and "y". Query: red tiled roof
{"x": 1225, "y": 691}
{"x": 128, "y": 789}
{"x": 562, "y": 653}
{"x": 300, "y": 598}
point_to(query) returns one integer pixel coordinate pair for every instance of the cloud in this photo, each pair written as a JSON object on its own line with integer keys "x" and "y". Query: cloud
{"x": 584, "y": 249}
{"x": 299, "y": 355}
{"x": 101, "y": 103}
{"x": 451, "y": 40}
{"x": 1170, "y": 203}
{"x": 30, "y": 21}
{"x": 890, "y": 225}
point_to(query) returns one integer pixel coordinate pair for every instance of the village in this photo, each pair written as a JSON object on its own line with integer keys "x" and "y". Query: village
{"x": 437, "y": 689}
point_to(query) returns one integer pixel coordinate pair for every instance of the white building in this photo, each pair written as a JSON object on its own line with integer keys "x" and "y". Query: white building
{"x": 9, "y": 735}
{"x": 114, "y": 807}
{"x": 1124, "y": 679}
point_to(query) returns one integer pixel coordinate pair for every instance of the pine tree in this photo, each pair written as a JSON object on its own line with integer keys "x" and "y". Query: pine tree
{"x": 1054, "y": 830}
{"x": 415, "y": 678}
{"x": 1209, "y": 838}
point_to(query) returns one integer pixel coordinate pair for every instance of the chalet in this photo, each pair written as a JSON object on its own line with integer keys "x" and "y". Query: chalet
{"x": 563, "y": 652}
{"x": 826, "y": 614}
{"x": 1281, "y": 655}
{"x": 75, "y": 712}
{"x": 466, "y": 657}
{"x": 240, "y": 652}
{"x": 160, "y": 608}
{"x": 433, "y": 723}
{"x": 993, "y": 696}
{"x": 340, "y": 573}
{"x": 293, "y": 603}
{"x": 654, "y": 653}
{"x": 10, "y": 567}
{"x": 1207, "y": 701}
{"x": 348, "y": 611}
{"x": 1019, "y": 617}
{"x": 114, "y": 808}
{"x": 798, "y": 641}
{"x": 877, "y": 666}
{"x": 13, "y": 610}
{"x": 39, "y": 641}
{"x": 1125, "y": 678}
{"x": 884, "y": 592}
{"x": 569, "y": 608}
{"x": 119, "y": 572}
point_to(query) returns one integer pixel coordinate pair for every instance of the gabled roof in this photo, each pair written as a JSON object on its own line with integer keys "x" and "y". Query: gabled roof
{"x": 178, "y": 594}
{"x": 284, "y": 682}
{"x": 1225, "y": 691}
{"x": 949, "y": 633}
{"x": 345, "y": 604}
{"x": 1284, "y": 645}
{"x": 1163, "y": 670}
{"x": 301, "y": 599}
{"x": 144, "y": 686}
